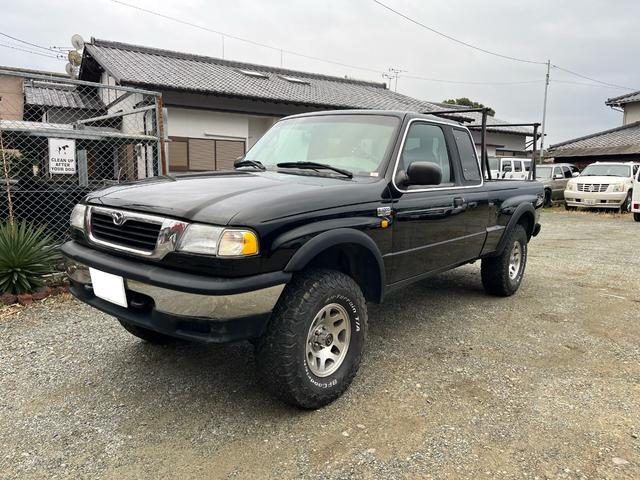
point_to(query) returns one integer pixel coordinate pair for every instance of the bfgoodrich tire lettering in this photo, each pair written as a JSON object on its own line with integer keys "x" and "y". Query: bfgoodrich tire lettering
{"x": 502, "y": 275}
{"x": 282, "y": 353}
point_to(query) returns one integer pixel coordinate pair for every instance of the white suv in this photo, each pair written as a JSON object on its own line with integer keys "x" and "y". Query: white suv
{"x": 602, "y": 185}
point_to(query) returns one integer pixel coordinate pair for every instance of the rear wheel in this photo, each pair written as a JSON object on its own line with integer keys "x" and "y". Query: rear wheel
{"x": 626, "y": 206}
{"x": 636, "y": 217}
{"x": 502, "y": 275}
{"x": 314, "y": 341}
{"x": 147, "y": 335}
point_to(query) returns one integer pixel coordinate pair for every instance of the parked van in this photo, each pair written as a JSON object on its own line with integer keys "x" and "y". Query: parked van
{"x": 509, "y": 168}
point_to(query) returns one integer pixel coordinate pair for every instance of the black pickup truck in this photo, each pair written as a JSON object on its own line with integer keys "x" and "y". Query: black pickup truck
{"x": 327, "y": 211}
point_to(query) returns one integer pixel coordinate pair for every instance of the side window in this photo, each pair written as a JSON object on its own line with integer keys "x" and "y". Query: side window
{"x": 426, "y": 143}
{"x": 507, "y": 166}
{"x": 567, "y": 172}
{"x": 467, "y": 152}
{"x": 517, "y": 165}
{"x": 635, "y": 170}
{"x": 556, "y": 171}
{"x": 527, "y": 165}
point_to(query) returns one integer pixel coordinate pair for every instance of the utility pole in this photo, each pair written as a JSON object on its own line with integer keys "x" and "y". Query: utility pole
{"x": 544, "y": 111}
{"x": 393, "y": 74}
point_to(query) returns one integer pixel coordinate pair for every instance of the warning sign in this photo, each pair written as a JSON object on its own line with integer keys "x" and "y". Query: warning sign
{"x": 62, "y": 156}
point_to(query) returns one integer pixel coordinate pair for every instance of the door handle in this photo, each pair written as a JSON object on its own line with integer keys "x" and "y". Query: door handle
{"x": 459, "y": 205}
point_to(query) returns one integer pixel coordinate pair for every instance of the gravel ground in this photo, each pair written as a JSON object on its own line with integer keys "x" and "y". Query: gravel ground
{"x": 454, "y": 384}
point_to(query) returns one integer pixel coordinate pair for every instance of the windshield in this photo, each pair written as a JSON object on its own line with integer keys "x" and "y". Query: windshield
{"x": 358, "y": 143}
{"x": 607, "y": 170}
{"x": 543, "y": 172}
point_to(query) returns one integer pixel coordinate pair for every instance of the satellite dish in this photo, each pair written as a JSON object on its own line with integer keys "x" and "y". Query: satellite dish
{"x": 74, "y": 58}
{"x": 70, "y": 69}
{"x": 77, "y": 41}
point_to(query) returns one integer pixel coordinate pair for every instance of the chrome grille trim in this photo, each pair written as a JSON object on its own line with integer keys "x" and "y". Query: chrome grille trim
{"x": 169, "y": 232}
{"x": 593, "y": 187}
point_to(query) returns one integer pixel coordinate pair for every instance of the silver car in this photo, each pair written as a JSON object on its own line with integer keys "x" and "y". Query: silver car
{"x": 554, "y": 177}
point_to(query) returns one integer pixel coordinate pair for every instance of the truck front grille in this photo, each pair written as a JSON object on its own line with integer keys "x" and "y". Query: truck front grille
{"x": 593, "y": 187}
{"x": 131, "y": 233}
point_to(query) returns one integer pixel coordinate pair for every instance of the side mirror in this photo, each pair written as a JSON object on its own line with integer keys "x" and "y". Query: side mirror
{"x": 507, "y": 168}
{"x": 575, "y": 174}
{"x": 558, "y": 176}
{"x": 421, "y": 173}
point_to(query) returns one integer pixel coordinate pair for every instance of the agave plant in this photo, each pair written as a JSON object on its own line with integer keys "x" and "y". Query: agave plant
{"x": 26, "y": 254}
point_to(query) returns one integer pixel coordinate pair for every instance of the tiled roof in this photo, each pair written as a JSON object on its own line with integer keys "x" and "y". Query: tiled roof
{"x": 616, "y": 141}
{"x": 622, "y": 99}
{"x": 51, "y": 94}
{"x": 164, "y": 69}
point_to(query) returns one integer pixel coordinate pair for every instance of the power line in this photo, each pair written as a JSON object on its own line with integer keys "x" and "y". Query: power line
{"x": 246, "y": 40}
{"x": 588, "y": 84}
{"x": 453, "y": 39}
{"x": 461, "y": 82}
{"x": 592, "y": 79}
{"x": 13, "y": 47}
{"x": 25, "y": 42}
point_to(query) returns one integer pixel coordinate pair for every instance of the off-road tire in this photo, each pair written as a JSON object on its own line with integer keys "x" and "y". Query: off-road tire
{"x": 636, "y": 217}
{"x": 548, "y": 202}
{"x": 626, "y": 205}
{"x": 281, "y": 352}
{"x": 495, "y": 270}
{"x": 147, "y": 335}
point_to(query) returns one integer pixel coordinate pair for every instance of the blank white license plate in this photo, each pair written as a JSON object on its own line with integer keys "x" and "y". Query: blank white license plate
{"x": 589, "y": 201}
{"x": 108, "y": 287}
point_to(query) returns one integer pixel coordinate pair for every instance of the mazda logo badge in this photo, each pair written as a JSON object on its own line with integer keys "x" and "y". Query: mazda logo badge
{"x": 118, "y": 218}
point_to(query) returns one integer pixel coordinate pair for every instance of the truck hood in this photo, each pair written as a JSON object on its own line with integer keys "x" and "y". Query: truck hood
{"x": 237, "y": 198}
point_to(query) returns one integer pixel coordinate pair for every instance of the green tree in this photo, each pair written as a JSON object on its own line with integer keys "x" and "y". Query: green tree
{"x": 469, "y": 103}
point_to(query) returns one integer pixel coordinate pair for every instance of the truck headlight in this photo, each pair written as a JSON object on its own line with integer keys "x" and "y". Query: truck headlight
{"x": 236, "y": 243}
{"x": 199, "y": 238}
{"x": 77, "y": 216}
{"x": 571, "y": 186}
{"x": 617, "y": 187}
{"x": 210, "y": 240}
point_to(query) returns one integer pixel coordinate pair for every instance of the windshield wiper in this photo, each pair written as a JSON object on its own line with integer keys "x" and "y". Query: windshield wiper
{"x": 315, "y": 166}
{"x": 249, "y": 163}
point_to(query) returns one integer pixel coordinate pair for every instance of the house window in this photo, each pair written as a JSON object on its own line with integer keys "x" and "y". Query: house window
{"x": 199, "y": 154}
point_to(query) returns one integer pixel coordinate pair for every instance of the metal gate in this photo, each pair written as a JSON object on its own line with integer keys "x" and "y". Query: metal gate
{"x": 62, "y": 138}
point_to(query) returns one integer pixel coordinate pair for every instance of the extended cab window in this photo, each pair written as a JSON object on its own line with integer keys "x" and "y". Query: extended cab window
{"x": 426, "y": 143}
{"x": 517, "y": 166}
{"x": 467, "y": 152}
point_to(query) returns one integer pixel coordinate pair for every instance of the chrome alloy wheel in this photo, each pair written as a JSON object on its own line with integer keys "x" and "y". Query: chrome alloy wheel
{"x": 515, "y": 259}
{"x": 328, "y": 340}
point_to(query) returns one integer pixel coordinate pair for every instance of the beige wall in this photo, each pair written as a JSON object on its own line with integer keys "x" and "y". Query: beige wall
{"x": 11, "y": 98}
{"x": 631, "y": 113}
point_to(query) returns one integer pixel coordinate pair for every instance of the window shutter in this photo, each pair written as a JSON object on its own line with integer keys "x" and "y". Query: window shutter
{"x": 227, "y": 151}
{"x": 202, "y": 154}
{"x": 178, "y": 155}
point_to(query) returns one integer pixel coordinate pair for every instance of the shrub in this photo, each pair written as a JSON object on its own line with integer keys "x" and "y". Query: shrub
{"x": 26, "y": 254}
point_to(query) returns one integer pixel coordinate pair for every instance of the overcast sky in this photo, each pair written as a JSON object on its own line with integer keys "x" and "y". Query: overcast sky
{"x": 599, "y": 39}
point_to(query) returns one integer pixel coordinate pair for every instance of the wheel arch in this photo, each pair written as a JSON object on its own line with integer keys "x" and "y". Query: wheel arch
{"x": 347, "y": 250}
{"x": 524, "y": 214}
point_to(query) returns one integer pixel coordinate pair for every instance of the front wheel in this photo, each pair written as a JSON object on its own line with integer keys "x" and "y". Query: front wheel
{"x": 312, "y": 348}
{"x": 548, "y": 202}
{"x": 636, "y": 217}
{"x": 502, "y": 275}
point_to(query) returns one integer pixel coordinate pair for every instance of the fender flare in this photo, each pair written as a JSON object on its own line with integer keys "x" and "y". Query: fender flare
{"x": 521, "y": 210}
{"x": 331, "y": 238}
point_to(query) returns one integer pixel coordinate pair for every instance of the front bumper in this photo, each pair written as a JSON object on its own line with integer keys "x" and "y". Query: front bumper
{"x": 594, "y": 199}
{"x": 183, "y": 305}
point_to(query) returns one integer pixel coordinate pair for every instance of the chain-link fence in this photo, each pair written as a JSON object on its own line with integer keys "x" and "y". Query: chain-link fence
{"x": 60, "y": 139}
